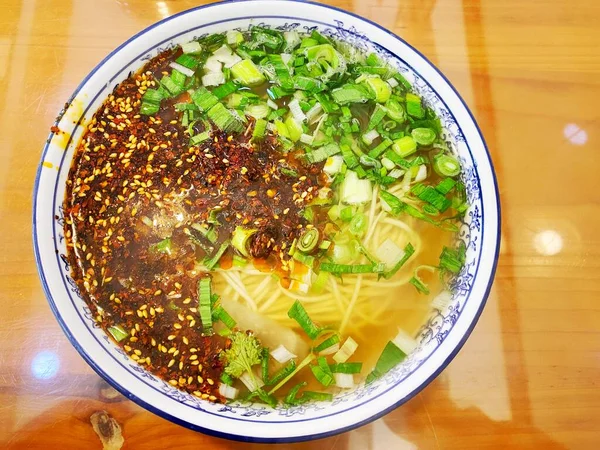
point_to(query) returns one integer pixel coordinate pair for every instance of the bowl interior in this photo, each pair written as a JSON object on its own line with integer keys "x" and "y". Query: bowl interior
{"x": 440, "y": 338}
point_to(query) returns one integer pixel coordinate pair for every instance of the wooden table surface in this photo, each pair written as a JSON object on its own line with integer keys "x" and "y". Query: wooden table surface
{"x": 529, "y": 375}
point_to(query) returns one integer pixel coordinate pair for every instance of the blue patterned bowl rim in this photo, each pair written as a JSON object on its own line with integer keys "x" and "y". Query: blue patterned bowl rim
{"x": 440, "y": 338}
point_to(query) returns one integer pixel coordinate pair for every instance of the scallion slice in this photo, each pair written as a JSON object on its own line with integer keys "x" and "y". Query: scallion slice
{"x": 390, "y": 357}
{"x": 219, "y": 313}
{"x": 118, "y": 332}
{"x": 327, "y": 343}
{"x": 322, "y": 372}
{"x": 446, "y": 166}
{"x": 247, "y": 73}
{"x": 322, "y": 153}
{"x": 351, "y": 268}
{"x": 299, "y": 314}
{"x": 204, "y": 294}
{"x": 214, "y": 260}
{"x": 352, "y": 367}
{"x": 409, "y": 250}
{"x": 346, "y": 351}
{"x": 423, "y": 136}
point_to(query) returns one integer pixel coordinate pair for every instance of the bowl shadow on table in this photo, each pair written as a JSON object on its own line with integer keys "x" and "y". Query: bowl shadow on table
{"x": 431, "y": 420}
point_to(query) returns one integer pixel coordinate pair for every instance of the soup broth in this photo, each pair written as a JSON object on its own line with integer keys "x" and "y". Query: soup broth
{"x": 265, "y": 216}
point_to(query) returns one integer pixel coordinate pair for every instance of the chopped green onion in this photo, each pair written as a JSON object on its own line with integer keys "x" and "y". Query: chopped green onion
{"x": 446, "y": 166}
{"x": 247, "y": 73}
{"x": 282, "y": 72}
{"x": 164, "y": 246}
{"x": 308, "y": 241}
{"x": 118, "y": 332}
{"x": 419, "y": 285}
{"x": 172, "y": 87}
{"x": 224, "y": 119}
{"x": 322, "y": 372}
{"x": 224, "y": 90}
{"x": 322, "y": 153}
{"x": 369, "y": 161}
{"x": 204, "y": 99}
{"x": 197, "y": 139}
{"x": 264, "y": 365}
{"x": 390, "y": 357}
{"x": 281, "y": 373}
{"x": 350, "y": 93}
{"x": 413, "y": 106}
{"x": 306, "y": 361}
{"x": 260, "y": 128}
{"x": 353, "y": 367}
{"x": 351, "y": 268}
{"x": 346, "y": 351}
{"x": 212, "y": 262}
{"x": 409, "y": 250}
{"x": 204, "y": 294}
{"x": 299, "y": 314}
{"x": 423, "y": 136}
{"x": 445, "y": 186}
{"x": 192, "y": 47}
{"x": 395, "y": 111}
{"x": 379, "y": 149}
{"x": 405, "y": 146}
{"x": 307, "y": 260}
{"x": 234, "y": 37}
{"x": 451, "y": 260}
{"x": 430, "y": 195}
{"x": 358, "y": 225}
{"x": 329, "y": 342}
{"x": 327, "y": 105}
{"x": 311, "y": 395}
{"x": 226, "y": 379}
{"x": 220, "y": 314}
{"x": 378, "y": 114}
{"x": 290, "y": 398}
{"x": 349, "y": 157}
{"x": 380, "y": 90}
{"x": 240, "y": 239}
{"x": 148, "y": 109}
{"x": 152, "y": 96}
{"x": 188, "y": 61}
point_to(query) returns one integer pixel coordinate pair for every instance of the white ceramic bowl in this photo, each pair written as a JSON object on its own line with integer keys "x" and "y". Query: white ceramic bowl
{"x": 440, "y": 339}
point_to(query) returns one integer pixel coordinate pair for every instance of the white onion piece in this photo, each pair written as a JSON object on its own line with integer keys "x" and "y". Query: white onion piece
{"x": 389, "y": 253}
{"x": 251, "y": 384}
{"x": 224, "y": 55}
{"x": 184, "y": 70}
{"x": 228, "y": 391}
{"x": 282, "y": 355}
{"x": 354, "y": 190}
{"x": 405, "y": 342}
{"x": 213, "y": 79}
{"x": 212, "y": 64}
{"x": 344, "y": 380}
{"x": 271, "y": 104}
